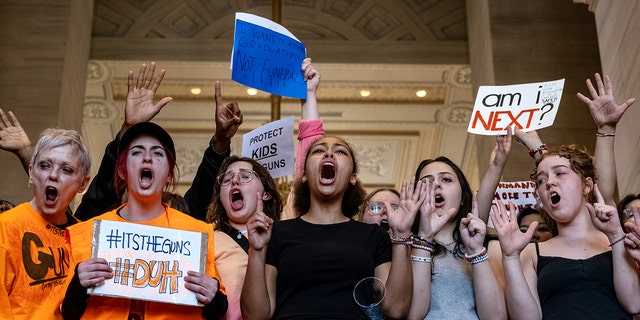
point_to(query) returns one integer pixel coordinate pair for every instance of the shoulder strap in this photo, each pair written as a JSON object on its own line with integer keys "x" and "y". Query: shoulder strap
{"x": 537, "y": 249}
{"x": 241, "y": 240}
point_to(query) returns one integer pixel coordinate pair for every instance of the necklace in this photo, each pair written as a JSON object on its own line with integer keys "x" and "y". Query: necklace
{"x": 446, "y": 246}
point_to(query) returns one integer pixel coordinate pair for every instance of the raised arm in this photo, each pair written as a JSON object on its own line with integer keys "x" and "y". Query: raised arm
{"x": 310, "y": 127}
{"x": 488, "y": 294}
{"x": 432, "y": 220}
{"x": 14, "y": 139}
{"x": 228, "y": 119}
{"x": 101, "y": 196}
{"x": 626, "y": 276}
{"x": 521, "y": 290}
{"x": 399, "y": 277}
{"x": 606, "y": 114}
{"x": 491, "y": 179}
{"x": 258, "y": 298}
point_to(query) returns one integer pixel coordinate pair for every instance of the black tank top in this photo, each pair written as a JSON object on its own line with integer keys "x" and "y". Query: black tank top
{"x": 578, "y": 289}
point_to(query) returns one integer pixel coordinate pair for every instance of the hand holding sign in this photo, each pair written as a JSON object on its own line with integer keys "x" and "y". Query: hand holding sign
{"x": 527, "y": 106}
{"x": 204, "y": 286}
{"x": 94, "y": 272}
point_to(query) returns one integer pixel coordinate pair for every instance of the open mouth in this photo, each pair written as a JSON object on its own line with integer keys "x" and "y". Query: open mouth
{"x": 327, "y": 173}
{"x": 439, "y": 200}
{"x": 237, "y": 200}
{"x": 555, "y": 198}
{"x": 385, "y": 225}
{"x": 51, "y": 194}
{"x": 146, "y": 176}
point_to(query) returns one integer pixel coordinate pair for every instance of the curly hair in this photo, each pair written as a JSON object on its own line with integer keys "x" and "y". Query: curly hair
{"x": 580, "y": 161}
{"x": 353, "y": 196}
{"x": 216, "y": 213}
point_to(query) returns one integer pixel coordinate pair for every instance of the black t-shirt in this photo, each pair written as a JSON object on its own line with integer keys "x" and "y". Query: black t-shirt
{"x": 319, "y": 265}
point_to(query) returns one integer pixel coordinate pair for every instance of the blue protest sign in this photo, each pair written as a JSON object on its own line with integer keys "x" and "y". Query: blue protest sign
{"x": 267, "y": 59}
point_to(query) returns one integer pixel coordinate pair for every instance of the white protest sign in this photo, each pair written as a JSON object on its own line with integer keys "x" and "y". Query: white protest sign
{"x": 272, "y": 146}
{"x": 148, "y": 263}
{"x": 529, "y": 106}
{"x": 521, "y": 193}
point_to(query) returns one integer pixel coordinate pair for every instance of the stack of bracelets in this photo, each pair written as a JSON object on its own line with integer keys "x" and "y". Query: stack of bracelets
{"x": 477, "y": 257}
{"x": 419, "y": 243}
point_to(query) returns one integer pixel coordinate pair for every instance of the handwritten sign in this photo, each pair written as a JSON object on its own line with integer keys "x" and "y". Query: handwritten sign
{"x": 148, "y": 263}
{"x": 272, "y": 146}
{"x": 521, "y": 193}
{"x": 530, "y": 106}
{"x": 267, "y": 57}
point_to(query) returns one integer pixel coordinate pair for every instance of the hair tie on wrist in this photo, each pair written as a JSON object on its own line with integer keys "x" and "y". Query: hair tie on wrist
{"x": 602, "y": 134}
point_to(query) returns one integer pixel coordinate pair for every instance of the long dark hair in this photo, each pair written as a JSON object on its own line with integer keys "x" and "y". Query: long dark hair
{"x": 216, "y": 213}
{"x": 463, "y": 209}
{"x": 353, "y": 196}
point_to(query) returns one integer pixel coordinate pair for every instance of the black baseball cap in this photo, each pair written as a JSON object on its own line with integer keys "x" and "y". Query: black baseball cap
{"x": 146, "y": 128}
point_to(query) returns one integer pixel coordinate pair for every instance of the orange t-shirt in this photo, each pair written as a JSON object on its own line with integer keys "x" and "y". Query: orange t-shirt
{"x": 35, "y": 265}
{"x": 100, "y": 307}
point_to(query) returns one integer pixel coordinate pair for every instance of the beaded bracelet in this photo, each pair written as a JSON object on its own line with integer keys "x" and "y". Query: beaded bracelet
{"x": 408, "y": 240}
{"x": 482, "y": 252}
{"x": 541, "y": 148}
{"x": 479, "y": 259}
{"x": 421, "y": 259}
{"x": 425, "y": 248}
{"x": 423, "y": 244}
{"x": 603, "y": 134}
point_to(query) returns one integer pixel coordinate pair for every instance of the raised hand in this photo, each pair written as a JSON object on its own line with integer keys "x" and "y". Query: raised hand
{"x": 432, "y": 219}
{"x": 530, "y": 139}
{"x": 400, "y": 221}
{"x": 632, "y": 240}
{"x": 259, "y": 227}
{"x": 512, "y": 240}
{"x": 204, "y": 286}
{"x": 605, "y": 217}
{"x": 502, "y": 149}
{"x": 140, "y": 106}
{"x": 604, "y": 110}
{"x": 13, "y": 138}
{"x": 473, "y": 229}
{"x": 94, "y": 272}
{"x": 311, "y": 75}
{"x": 228, "y": 120}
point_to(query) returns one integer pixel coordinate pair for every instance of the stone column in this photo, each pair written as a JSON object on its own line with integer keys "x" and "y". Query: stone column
{"x": 44, "y": 49}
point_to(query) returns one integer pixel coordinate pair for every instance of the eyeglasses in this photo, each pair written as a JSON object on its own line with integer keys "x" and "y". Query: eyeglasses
{"x": 244, "y": 176}
{"x": 628, "y": 212}
{"x": 375, "y": 208}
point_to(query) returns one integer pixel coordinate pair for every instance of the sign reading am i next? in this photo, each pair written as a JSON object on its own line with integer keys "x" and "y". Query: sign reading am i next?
{"x": 529, "y": 106}
{"x": 148, "y": 263}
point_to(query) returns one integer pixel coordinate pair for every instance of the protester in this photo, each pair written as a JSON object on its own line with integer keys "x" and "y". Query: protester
{"x": 34, "y": 271}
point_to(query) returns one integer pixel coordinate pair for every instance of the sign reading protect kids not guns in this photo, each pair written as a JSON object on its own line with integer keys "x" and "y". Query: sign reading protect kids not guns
{"x": 148, "y": 263}
{"x": 272, "y": 146}
{"x": 529, "y": 106}
{"x": 268, "y": 57}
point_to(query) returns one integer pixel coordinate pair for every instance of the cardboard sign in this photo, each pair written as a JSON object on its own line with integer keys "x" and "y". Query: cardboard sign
{"x": 530, "y": 106}
{"x": 267, "y": 57}
{"x": 148, "y": 263}
{"x": 521, "y": 193}
{"x": 272, "y": 146}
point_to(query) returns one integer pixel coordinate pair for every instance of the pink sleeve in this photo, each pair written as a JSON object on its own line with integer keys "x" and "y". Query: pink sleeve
{"x": 308, "y": 132}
